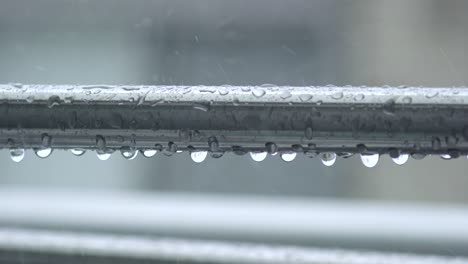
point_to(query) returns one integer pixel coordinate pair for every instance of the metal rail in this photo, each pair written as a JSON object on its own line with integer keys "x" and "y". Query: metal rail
{"x": 217, "y": 119}
{"x": 15, "y": 245}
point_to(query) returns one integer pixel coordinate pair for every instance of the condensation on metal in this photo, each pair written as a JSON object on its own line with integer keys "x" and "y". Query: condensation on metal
{"x": 238, "y": 118}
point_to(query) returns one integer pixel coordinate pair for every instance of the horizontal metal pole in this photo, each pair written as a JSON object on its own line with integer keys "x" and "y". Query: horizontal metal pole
{"x": 89, "y": 247}
{"x": 381, "y": 120}
{"x": 333, "y": 223}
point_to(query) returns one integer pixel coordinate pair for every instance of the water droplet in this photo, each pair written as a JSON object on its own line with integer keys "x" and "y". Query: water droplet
{"x": 308, "y": 133}
{"x": 100, "y": 142}
{"x": 128, "y": 153}
{"x": 245, "y": 89}
{"x": 328, "y": 158}
{"x": 271, "y": 148}
{"x": 216, "y": 154}
{"x": 78, "y": 151}
{"x": 436, "y": 144}
{"x": 201, "y": 107}
{"x": 258, "y": 92}
{"x": 17, "y": 155}
{"x": 389, "y": 107}
{"x": 407, "y": 100}
{"x": 337, "y": 96}
{"x": 258, "y": 156}
{"x": 402, "y": 159}
{"x": 285, "y": 94}
{"x": 223, "y": 91}
{"x": 43, "y": 152}
{"x": 358, "y": 97}
{"x": 54, "y": 100}
{"x": 418, "y": 156}
{"x": 288, "y": 157}
{"x": 432, "y": 94}
{"x": 213, "y": 144}
{"x": 446, "y": 156}
{"x": 103, "y": 155}
{"x": 46, "y": 140}
{"x": 305, "y": 97}
{"x": 207, "y": 90}
{"x": 148, "y": 153}
{"x": 199, "y": 156}
{"x": 370, "y": 160}
{"x": 30, "y": 99}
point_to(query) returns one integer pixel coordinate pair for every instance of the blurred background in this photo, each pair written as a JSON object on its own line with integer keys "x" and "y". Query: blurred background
{"x": 419, "y": 207}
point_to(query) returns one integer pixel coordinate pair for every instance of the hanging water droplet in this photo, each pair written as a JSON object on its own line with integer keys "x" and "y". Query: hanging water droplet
{"x": 78, "y": 151}
{"x": 285, "y": 94}
{"x": 213, "y": 144}
{"x": 201, "y": 107}
{"x": 43, "y": 152}
{"x": 258, "y": 92}
{"x": 30, "y": 99}
{"x": 100, "y": 142}
{"x": 436, "y": 144}
{"x": 337, "y": 96}
{"x": 308, "y": 133}
{"x": 258, "y": 156}
{"x": 288, "y": 156}
{"x": 17, "y": 154}
{"x": 418, "y": 156}
{"x": 271, "y": 148}
{"x": 148, "y": 153}
{"x": 328, "y": 158}
{"x": 407, "y": 100}
{"x": 245, "y": 88}
{"x": 128, "y": 153}
{"x": 54, "y": 100}
{"x": 370, "y": 160}
{"x": 402, "y": 159}
{"x": 216, "y": 154}
{"x": 103, "y": 155}
{"x": 446, "y": 156}
{"x": 199, "y": 156}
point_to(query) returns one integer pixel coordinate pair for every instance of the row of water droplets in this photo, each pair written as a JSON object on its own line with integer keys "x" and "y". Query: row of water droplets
{"x": 327, "y": 158}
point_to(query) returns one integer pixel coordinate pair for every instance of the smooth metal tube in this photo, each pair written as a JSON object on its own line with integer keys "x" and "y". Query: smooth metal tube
{"x": 236, "y": 118}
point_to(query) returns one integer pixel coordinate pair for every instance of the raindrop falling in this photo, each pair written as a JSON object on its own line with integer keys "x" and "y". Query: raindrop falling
{"x": 288, "y": 156}
{"x": 77, "y": 151}
{"x": 258, "y": 156}
{"x": 128, "y": 153}
{"x": 328, "y": 158}
{"x": 370, "y": 160}
{"x": 103, "y": 155}
{"x": 199, "y": 156}
{"x": 43, "y": 152}
{"x": 17, "y": 155}
{"x": 402, "y": 159}
{"x": 148, "y": 153}
{"x": 258, "y": 92}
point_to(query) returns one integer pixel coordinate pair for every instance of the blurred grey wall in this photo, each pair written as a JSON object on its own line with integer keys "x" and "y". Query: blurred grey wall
{"x": 359, "y": 42}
